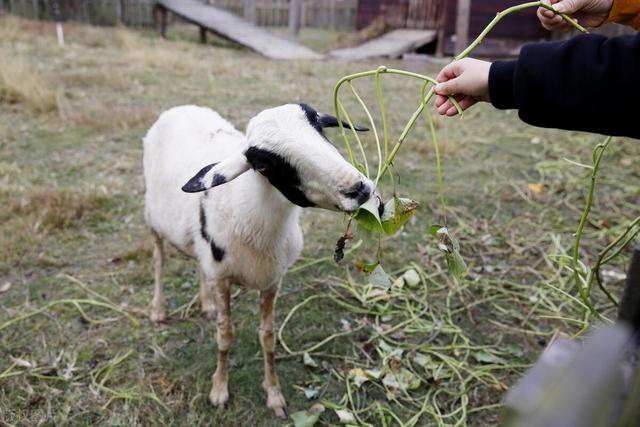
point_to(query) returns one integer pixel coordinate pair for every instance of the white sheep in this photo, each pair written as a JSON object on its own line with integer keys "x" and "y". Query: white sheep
{"x": 246, "y": 231}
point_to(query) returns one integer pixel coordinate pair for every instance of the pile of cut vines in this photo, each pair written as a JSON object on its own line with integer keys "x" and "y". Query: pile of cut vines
{"x": 422, "y": 362}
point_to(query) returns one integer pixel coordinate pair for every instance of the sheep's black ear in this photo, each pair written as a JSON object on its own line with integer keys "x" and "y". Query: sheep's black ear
{"x": 329, "y": 121}
{"x": 217, "y": 174}
{"x": 198, "y": 182}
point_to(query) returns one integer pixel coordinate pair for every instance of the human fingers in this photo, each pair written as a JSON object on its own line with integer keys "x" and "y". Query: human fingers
{"x": 440, "y": 100}
{"x": 450, "y": 71}
{"x": 443, "y": 108}
{"x": 464, "y": 102}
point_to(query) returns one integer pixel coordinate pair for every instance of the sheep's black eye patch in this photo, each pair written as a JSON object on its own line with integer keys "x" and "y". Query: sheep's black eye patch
{"x": 280, "y": 174}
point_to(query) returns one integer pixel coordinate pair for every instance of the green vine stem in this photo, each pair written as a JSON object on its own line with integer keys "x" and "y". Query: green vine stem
{"x": 509, "y": 11}
{"x": 581, "y": 284}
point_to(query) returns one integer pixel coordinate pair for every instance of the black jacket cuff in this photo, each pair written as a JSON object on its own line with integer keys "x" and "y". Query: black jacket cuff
{"x": 501, "y": 85}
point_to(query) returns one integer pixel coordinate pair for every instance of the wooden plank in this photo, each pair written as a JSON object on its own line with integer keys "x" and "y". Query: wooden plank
{"x": 392, "y": 45}
{"x": 234, "y": 28}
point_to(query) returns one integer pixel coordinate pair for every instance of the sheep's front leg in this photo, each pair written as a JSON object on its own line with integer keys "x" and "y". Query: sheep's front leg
{"x": 219, "y": 390}
{"x": 158, "y": 302}
{"x": 275, "y": 399}
{"x": 207, "y": 299}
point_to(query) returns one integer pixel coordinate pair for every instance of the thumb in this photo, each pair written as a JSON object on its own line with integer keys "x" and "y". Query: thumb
{"x": 566, "y": 6}
{"x": 450, "y": 87}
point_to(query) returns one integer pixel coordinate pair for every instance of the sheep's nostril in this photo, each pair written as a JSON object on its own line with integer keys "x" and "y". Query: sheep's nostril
{"x": 360, "y": 192}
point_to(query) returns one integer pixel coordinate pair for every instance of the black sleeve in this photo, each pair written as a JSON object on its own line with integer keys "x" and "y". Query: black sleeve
{"x": 589, "y": 83}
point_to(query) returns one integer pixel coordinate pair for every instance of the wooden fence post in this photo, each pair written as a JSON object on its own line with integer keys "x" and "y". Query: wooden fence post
{"x": 250, "y": 10}
{"x": 295, "y": 13}
{"x": 462, "y": 25}
{"x": 442, "y": 28}
{"x": 160, "y": 15}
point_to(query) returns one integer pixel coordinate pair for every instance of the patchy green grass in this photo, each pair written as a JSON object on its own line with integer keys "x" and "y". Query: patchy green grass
{"x": 72, "y": 234}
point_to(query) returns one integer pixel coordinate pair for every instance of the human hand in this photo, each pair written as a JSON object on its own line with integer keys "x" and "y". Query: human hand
{"x": 466, "y": 80}
{"x": 589, "y": 13}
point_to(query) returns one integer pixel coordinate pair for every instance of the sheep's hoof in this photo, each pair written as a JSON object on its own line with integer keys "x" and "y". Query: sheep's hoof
{"x": 219, "y": 394}
{"x": 158, "y": 315}
{"x": 209, "y": 312}
{"x": 275, "y": 401}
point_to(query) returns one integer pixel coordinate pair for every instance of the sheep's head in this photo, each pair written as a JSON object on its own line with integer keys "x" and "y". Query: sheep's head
{"x": 288, "y": 147}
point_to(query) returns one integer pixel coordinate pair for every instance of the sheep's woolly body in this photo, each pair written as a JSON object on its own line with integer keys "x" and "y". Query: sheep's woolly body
{"x": 249, "y": 219}
{"x": 239, "y": 214}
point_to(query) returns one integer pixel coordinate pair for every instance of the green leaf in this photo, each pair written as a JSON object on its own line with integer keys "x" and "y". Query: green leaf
{"x": 379, "y": 277}
{"x": 484, "y": 357}
{"x": 433, "y": 230}
{"x": 367, "y": 268}
{"x": 448, "y": 244}
{"x": 308, "y": 361}
{"x": 396, "y": 214}
{"x": 368, "y": 216}
{"x": 307, "y": 418}
{"x": 401, "y": 381}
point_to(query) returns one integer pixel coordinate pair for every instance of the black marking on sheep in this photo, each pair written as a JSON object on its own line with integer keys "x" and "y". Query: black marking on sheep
{"x": 320, "y": 121}
{"x": 216, "y": 251}
{"x": 196, "y": 183}
{"x": 280, "y": 173}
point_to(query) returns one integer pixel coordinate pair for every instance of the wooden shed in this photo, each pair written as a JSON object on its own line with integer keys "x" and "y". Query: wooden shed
{"x": 441, "y": 15}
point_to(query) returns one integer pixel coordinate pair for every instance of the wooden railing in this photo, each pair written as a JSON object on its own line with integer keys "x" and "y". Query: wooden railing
{"x": 330, "y": 14}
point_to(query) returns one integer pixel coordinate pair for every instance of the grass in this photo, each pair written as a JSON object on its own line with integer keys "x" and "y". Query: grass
{"x": 72, "y": 230}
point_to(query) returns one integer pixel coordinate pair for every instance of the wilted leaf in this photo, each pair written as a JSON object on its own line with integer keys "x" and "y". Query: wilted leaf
{"x": 484, "y": 357}
{"x": 307, "y": 418}
{"x": 379, "y": 277}
{"x": 448, "y": 244}
{"x": 358, "y": 376}
{"x": 308, "y": 361}
{"x": 345, "y": 416}
{"x": 411, "y": 277}
{"x": 422, "y": 359}
{"x": 536, "y": 187}
{"x": 311, "y": 392}
{"x": 23, "y": 363}
{"x": 402, "y": 381}
{"x": 378, "y": 294}
{"x": 375, "y": 374}
{"x": 396, "y": 214}
{"x": 387, "y": 349}
{"x": 368, "y": 216}
{"x": 5, "y": 287}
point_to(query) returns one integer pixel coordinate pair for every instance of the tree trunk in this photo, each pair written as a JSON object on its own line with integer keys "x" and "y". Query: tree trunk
{"x": 462, "y": 25}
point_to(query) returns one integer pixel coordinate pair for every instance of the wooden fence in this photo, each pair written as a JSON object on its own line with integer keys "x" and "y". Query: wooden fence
{"x": 95, "y": 12}
{"x": 330, "y": 14}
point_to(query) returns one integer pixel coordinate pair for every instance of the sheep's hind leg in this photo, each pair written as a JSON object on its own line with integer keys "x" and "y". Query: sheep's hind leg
{"x": 275, "y": 399}
{"x": 207, "y": 300}
{"x": 158, "y": 303}
{"x": 219, "y": 389}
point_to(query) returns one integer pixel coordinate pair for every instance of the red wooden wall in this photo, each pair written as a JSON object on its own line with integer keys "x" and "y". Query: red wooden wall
{"x": 419, "y": 14}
